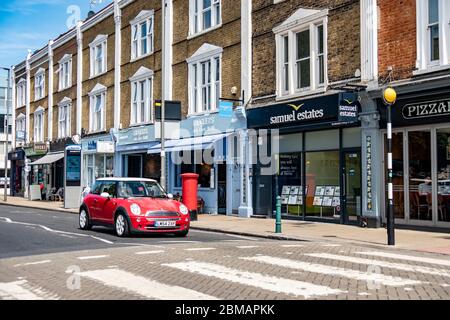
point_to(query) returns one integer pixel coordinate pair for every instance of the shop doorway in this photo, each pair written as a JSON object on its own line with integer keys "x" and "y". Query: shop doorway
{"x": 351, "y": 186}
{"x": 134, "y": 166}
{"x": 222, "y": 188}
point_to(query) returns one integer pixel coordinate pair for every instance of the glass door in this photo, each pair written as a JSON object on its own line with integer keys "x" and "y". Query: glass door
{"x": 351, "y": 186}
{"x": 420, "y": 189}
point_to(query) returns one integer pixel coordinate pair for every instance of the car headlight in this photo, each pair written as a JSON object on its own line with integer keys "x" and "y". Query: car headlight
{"x": 183, "y": 209}
{"x": 135, "y": 209}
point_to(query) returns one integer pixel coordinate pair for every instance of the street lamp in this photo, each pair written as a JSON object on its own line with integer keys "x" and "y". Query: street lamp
{"x": 6, "y": 125}
{"x": 390, "y": 97}
{"x": 163, "y": 102}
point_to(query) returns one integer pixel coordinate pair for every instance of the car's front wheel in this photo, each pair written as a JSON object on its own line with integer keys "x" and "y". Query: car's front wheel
{"x": 83, "y": 220}
{"x": 122, "y": 227}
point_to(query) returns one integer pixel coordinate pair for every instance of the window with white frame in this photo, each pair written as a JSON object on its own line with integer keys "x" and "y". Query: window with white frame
{"x": 141, "y": 96}
{"x": 21, "y": 93}
{"x": 65, "y": 72}
{"x": 97, "y": 109}
{"x": 433, "y": 29}
{"x": 20, "y": 126}
{"x": 39, "y": 84}
{"x": 98, "y": 49}
{"x": 142, "y": 35}
{"x": 205, "y": 79}
{"x": 204, "y": 15}
{"x": 301, "y": 53}
{"x": 39, "y": 125}
{"x": 64, "y": 118}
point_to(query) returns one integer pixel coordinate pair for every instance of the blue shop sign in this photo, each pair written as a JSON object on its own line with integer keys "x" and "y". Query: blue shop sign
{"x": 136, "y": 135}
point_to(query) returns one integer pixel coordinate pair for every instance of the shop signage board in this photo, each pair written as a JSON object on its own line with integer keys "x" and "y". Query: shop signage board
{"x": 418, "y": 111}
{"x": 136, "y": 135}
{"x": 226, "y": 109}
{"x": 329, "y": 110}
{"x": 105, "y": 147}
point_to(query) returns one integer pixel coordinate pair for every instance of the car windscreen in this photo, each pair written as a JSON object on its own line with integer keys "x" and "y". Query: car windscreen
{"x": 140, "y": 189}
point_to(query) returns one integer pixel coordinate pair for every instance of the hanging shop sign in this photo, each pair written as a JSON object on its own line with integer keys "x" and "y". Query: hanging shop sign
{"x": 332, "y": 110}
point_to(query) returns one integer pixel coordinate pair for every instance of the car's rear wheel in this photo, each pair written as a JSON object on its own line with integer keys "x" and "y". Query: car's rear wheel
{"x": 182, "y": 234}
{"x": 84, "y": 222}
{"x": 122, "y": 227}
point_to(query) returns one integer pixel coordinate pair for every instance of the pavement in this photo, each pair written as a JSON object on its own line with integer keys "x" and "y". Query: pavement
{"x": 45, "y": 256}
{"x": 423, "y": 241}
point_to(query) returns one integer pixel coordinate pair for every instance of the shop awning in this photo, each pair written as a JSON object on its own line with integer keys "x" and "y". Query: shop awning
{"x": 196, "y": 143}
{"x": 48, "y": 159}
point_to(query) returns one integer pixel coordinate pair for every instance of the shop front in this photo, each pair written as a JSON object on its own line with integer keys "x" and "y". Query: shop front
{"x": 309, "y": 154}
{"x": 421, "y": 158}
{"x": 132, "y": 153}
{"x": 207, "y": 146}
{"x": 97, "y": 158}
{"x": 17, "y": 185}
{"x": 35, "y": 177}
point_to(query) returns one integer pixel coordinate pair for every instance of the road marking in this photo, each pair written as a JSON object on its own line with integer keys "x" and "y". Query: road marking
{"x": 55, "y": 231}
{"x": 22, "y": 290}
{"x": 384, "y": 264}
{"x": 200, "y": 249}
{"x": 147, "y": 288}
{"x": 169, "y": 242}
{"x": 240, "y": 237}
{"x": 331, "y": 245}
{"x": 247, "y": 247}
{"x": 405, "y": 257}
{"x": 149, "y": 252}
{"x": 93, "y": 257}
{"x": 292, "y": 245}
{"x": 335, "y": 271}
{"x": 32, "y": 263}
{"x": 275, "y": 284}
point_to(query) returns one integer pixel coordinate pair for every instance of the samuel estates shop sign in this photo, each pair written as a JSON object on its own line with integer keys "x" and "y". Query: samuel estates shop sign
{"x": 325, "y": 111}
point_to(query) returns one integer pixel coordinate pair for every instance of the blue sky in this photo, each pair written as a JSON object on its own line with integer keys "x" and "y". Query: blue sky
{"x": 30, "y": 24}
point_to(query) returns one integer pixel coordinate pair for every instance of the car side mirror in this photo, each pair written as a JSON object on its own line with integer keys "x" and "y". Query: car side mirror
{"x": 170, "y": 196}
{"x": 105, "y": 195}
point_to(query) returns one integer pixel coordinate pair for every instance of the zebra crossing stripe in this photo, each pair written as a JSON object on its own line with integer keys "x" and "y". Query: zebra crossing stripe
{"x": 372, "y": 277}
{"x": 275, "y": 284}
{"x": 150, "y": 289}
{"x": 383, "y": 264}
{"x": 406, "y": 257}
{"x": 22, "y": 290}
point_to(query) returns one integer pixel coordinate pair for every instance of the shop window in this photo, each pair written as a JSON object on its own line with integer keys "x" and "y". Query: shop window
{"x": 290, "y": 183}
{"x": 322, "y": 184}
{"x": 97, "y": 166}
{"x": 351, "y": 137}
{"x": 322, "y": 140}
{"x": 302, "y": 53}
{"x": 142, "y": 35}
{"x": 204, "y": 170}
{"x": 443, "y": 174}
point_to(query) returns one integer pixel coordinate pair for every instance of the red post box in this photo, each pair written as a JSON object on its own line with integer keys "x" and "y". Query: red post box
{"x": 189, "y": 193}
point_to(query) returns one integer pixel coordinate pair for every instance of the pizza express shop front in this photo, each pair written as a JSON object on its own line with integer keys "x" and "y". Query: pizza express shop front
{"x": 421, "y": 158}
{"x": 309, "y": 153}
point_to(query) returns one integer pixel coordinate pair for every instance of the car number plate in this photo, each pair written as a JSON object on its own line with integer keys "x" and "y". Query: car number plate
{"x": 165, "y": 223}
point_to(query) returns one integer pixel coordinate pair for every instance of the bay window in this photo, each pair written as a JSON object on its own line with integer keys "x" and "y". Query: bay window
{"x": 302, "y": 53}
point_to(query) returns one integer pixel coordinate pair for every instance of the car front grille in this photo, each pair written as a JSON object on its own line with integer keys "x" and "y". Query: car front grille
{"x": 161, "y": 214}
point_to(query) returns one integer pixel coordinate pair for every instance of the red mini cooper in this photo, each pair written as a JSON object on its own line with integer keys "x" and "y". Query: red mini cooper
{"x": 133, "y": 206}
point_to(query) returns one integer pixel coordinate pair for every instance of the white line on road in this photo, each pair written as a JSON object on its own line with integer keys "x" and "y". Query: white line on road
{"x": 22, "y": 290}
{"x": 32, "y": 263}
{"x": 147, "y": 288}
{"x": 405, "y": 257}
{"x": 169, "y": 242}
{"x": 275, "y": 284}
{"x": 335, "y": 271}
{"x": 247, "y": 247}
{"x": 149, "y": 252}
{"x": 331, "y": 245}
{"x": 292, "y": 245}
{"x": 55, "y": 231}
{"x": 200, "y": 249}
{"x": 383, "y": 264}
{"x": 93, "y": 257}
